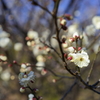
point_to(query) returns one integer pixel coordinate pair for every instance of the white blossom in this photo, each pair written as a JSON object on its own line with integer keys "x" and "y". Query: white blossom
{"x": 32, "y": 34}
{"x": 24, "y": 81}
{"x": 18, "y": 46}
{"x": 80, "y": 59}
{"x": 2, "y": 57}
{"x": 5, "y": 75}
{"x": 96, "y": 22}
{"x": 30, "y": 96}
{"x": 75, "y": 35}
{"x": 70, "y": 49}
{"x": 5, "y": 43}
{"x": 63, "y": 22}
{"x": 22, "y": 89}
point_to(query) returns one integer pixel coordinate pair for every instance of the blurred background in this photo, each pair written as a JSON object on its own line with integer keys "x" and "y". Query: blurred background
{"x": 20, "y": 17}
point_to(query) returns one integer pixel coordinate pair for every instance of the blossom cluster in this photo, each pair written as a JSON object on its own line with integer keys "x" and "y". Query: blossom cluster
{"x": 75, "y": 53}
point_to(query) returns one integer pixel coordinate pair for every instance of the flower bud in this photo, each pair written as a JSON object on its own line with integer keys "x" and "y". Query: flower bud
{"x": 71, "y": 40}
{"x": 79, "y": 48}
{"x": 22, "y": 89}
{"x": 14, "y": 62}
{"x": 64, "y": 45}
{"x": 65, "y": 55}
{"x": 76, "y": 35}
{"x": 69, "y": 17}
{"x": 25, "y": 76}
{"x": 69, "y": 58}
{"x": 64, "y": 27}
{"x": 63, "y": 22}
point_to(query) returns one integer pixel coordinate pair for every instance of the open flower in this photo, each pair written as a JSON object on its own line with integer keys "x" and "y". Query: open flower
{"x": 80, "y": 59}
{"x": 25, "y": 79}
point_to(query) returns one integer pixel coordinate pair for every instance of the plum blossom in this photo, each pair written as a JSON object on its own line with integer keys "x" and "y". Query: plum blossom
{"x": 25, "y": 79}
{"x": 80, "y": 59}
{"x": 96, "y": 22}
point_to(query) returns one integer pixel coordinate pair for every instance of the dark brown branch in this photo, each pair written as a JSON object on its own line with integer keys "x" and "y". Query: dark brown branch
{"x": 68, "y": 91}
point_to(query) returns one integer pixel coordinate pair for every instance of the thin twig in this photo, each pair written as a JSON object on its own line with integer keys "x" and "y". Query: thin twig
{"x": 43, "y": 8}
{"x": 61, "y": 76}
{"x": 95, "y": 39}
{"x": 51, "y": 48}
{"x": 89, "y": 74}
{"x": 68, "y": 91}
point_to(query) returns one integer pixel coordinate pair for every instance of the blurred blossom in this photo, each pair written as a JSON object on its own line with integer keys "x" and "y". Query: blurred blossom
{"x": 22, "y": 89}
{"x": 85, "y": 39}
{"x": 30, "y": 96}
{"x": 96, "y": 47}
{"x": 72, "y": 28}
{"x": 2, "y": 57}
{"x": 40, "y": 58}
{"x": 23, "y": 65}
{"x": 90, "y": 30}
{"x": 45, "y": 34}
{"x": 24, "y": 68}
{"x": 77, "y": 13}
{"x": 96, "y": 22}
{"x": 25, "y": 79}
{"x": 36, "y": 50}
{"x": 43, "y": 72}
{"x": 3, "y": 34}
{"x": 5, "y": 43}
{"x": 18, "y": 46}
{"x": 70, "y": 49}
{"x": 53, "y": 41}
{"x": 12, "y": 77}
{"x": 40, "y": 62}
{"x": 5, "y": 75}
{"x": 40, "y": 65}
{"x": 32, "y": 34}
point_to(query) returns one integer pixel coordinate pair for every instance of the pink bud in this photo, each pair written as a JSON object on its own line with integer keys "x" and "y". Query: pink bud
{"x": 71, "y": 40}
{"x": 79, "y": 48}
{"x": 65, "y": 55}
{"x": 14, "y": 62}
{"x": 69, "y": 58}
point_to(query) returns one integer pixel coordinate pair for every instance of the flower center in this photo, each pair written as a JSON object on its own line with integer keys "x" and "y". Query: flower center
{"x": 81, "y": 59}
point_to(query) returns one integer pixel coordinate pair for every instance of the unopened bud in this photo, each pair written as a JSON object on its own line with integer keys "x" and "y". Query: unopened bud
{"x": 79, "y": 48}
{"x": 71, "y": 40}
{"x": 35, "y": 90}
{"x": 15, "y": 62}
{"x": 76, "y": 35}
{"x": 54, "y": 80}
{"x": 65, "y": 55}
{"x": 63, "y": 22}
{"x": 22, "y": 89}
{"x": 69, "y": 58}
{"x": 64, "y": 27}
{"x": 69, "y": 17}
{"x": 64, "y": 45}
{"x": 25, "y": 76}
